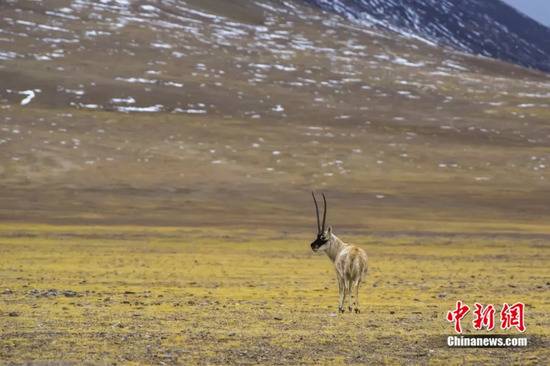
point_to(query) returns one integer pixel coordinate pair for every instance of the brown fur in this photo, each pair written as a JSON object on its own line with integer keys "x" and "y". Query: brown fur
{"x": 351, "y": 267}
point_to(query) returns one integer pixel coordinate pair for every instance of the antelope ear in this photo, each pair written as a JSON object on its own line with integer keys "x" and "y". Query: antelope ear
{"x": 329, "y": 231}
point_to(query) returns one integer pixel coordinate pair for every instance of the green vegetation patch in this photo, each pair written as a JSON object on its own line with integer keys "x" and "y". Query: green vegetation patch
{"x": 211, "y": 296}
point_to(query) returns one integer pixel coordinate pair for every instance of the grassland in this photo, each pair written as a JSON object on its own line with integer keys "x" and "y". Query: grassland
{"x": 165, "y": 295}
{"x": 180, "y": 235}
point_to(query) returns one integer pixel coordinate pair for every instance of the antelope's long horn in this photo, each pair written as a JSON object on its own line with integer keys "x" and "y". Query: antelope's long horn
{"x": 325, "y": 212}
{"x": 317, "y": 213}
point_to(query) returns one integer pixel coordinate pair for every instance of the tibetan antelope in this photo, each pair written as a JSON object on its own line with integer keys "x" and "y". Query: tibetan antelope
{"x": 350, "y": 261}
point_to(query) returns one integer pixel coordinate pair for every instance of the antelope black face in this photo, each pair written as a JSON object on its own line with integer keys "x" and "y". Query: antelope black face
{"x": 322, "y": 235}
{"x": 321, "y": 240}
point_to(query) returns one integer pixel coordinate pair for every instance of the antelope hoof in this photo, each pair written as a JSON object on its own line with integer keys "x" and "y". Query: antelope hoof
{"x": 357, "y": 311}
{"x": 341, "y": 310}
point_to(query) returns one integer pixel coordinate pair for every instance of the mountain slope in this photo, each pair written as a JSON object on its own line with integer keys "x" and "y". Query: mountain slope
{"x": 482, "y": 27}
{"x": 210, "y": 112}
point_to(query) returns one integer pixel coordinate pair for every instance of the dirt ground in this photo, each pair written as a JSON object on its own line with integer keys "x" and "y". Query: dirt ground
{"x": 160, "y": 295}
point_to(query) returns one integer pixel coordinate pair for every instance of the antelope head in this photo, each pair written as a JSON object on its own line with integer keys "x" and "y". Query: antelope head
{"x": 323, "y": 236}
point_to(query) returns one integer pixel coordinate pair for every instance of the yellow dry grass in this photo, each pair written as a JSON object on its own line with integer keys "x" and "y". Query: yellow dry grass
{"x": 152, "y": 295}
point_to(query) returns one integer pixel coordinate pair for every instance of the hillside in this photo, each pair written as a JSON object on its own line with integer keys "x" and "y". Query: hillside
{"x": 203, "y": 113}
{"x": 489, "y": 28}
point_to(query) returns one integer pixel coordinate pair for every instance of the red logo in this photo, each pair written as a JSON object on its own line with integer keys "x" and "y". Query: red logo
{"x": 512, "y": 316}
{"x": 484, "y": 316}
{"x": 457, "y": 315}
